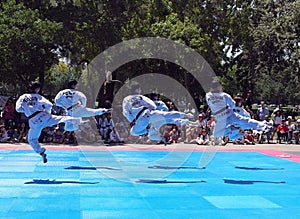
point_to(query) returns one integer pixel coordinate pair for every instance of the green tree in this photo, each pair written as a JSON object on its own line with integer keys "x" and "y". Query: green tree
{"x": 28, "y": 44}
{"x": 276, "y": 47}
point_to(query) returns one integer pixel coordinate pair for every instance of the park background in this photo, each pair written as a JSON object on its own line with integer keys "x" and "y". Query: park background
{"x": 250, "y": 45}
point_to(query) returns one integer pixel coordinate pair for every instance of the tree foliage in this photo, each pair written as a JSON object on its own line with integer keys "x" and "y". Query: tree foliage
{"x": 28, "y": 45}
{"x": 249, "y": 44}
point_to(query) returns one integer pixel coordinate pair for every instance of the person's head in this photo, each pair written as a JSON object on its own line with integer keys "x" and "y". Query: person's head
{"x": 154, "y": 96}
{"x": 135, "y": 88}
{"x": 249, "y": 94}
{"x": 267, "y": 117}
{"x": 238, "y": 100}
{"x": 9, "y": 101}
{"x": 262, "y": 103}
{"x": 216, "y": 85}
{"x": 289, "y": 118}
{"x": 34, "y": 87}
{"x": 201, "y": 116}
{"x": 72, "y": 84}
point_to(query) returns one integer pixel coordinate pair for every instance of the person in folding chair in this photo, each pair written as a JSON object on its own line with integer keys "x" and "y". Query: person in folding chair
{"x": 38, "y": 111}
{"x": 144, "y": 117}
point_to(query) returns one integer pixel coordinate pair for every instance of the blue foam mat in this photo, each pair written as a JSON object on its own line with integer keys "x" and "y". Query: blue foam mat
{"x": 128, "y": 184}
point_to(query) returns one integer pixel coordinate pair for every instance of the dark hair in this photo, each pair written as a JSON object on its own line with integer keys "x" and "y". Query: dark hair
{"x": 71, "y": 83}
{"x": 134, "y": 86}
{"x": 215, "y": 83}
{"x": 153, "y": 95}
{"x": 34, "y": 85}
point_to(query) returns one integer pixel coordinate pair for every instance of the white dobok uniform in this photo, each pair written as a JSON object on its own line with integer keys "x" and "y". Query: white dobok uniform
{"x": 141, "y": 111}
{"x": 38, "y": 111}
{"x": 75, "y": 103}
{"x": 222, "y": 106}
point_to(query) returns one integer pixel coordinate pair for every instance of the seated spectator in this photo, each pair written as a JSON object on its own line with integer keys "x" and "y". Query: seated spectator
{"x": 3, "y": 134}
{"x": 296, "y": 131}
{"x": 165, "y": 130}
{"x": 249, "y": 137}
{"x": 10, "y": 132}
{"x": 115, "y": 137}
{"x": 86, "y": 132}
{"x": 174, "y": 135}
{"x": 102, "y": 126}
{"x": 23, "y": 131}
{"x": 202, "y": 122}
{"x": 211, "y": 123}
{"x": 290, "y": 123}
{"x": 192, "y": 133}
{"x": 123, "y": 130}
{"x": 277, "y": 115}
{"x": 2, "y": 121}
{"x": 61, "y": 127}
{"x": 260, "y": 136}
{"x": 49, "y": 134}
{"x": 9, "y": 112}
{"x": 282, "y": 131}
{"x": 70, "y": 138}
{"x": 58, "y": 136}
{"x": 203, "y": 138}
{"x": 15, "y": 136}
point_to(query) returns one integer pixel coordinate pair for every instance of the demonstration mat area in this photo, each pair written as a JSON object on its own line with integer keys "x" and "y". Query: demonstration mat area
{"x": 147, "y": 184}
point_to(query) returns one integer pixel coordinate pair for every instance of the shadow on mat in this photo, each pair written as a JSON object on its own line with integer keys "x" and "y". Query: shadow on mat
{"x": 153, "y": 181}
{"x": 258, "y": 168}
{"x": 249, "y": 182}
{"x": 90, "y": 168}
{"x": 54, "y": 181}
{"x": 174, "y": 168}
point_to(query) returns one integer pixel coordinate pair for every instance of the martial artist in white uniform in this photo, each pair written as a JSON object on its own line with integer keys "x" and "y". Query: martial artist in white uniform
{"x": 141, "y": 112}
{"x": 38, "y": 111}
{"x": 222, "y": 105}
{"x": 74, "y": 102}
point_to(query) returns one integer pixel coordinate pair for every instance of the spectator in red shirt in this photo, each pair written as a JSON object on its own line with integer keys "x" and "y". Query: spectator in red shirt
{"x": 9, "y": 112}
{"x": 249, "y": 137}
{"x": 282, "y": 131}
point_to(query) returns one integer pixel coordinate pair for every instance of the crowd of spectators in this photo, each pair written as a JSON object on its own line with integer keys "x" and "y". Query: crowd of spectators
{"x": 286, "y": 128}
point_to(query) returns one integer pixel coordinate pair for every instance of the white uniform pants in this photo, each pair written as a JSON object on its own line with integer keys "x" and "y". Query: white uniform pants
{"x": 43, "y": 120}
{"x": 230, "y": 118}
{"x": 80, "y": 111}
{"x": 157, "y": 119}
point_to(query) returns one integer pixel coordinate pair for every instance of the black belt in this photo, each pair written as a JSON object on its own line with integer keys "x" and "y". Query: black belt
{"x": 220, "y": 111}
{"x": 137, "y": 116}
{"x": 76, "y": 104}
{"x": 34, "y": 114}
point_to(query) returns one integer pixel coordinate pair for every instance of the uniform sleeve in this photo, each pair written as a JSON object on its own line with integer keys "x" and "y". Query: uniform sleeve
{"x": 147, "y": 102}
{"x": 126, "y": 107}
{"x": 229, "y": 101}
{"x": 46, "y": 104}
{"x": 82, "y": 98}
{"x": 162, "y": 106}
{"x": 19, "y": 107}
{"x": 58, "y": 100}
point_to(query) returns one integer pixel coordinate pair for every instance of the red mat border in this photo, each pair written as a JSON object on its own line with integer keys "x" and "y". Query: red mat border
{"x": 273, "y": 153}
